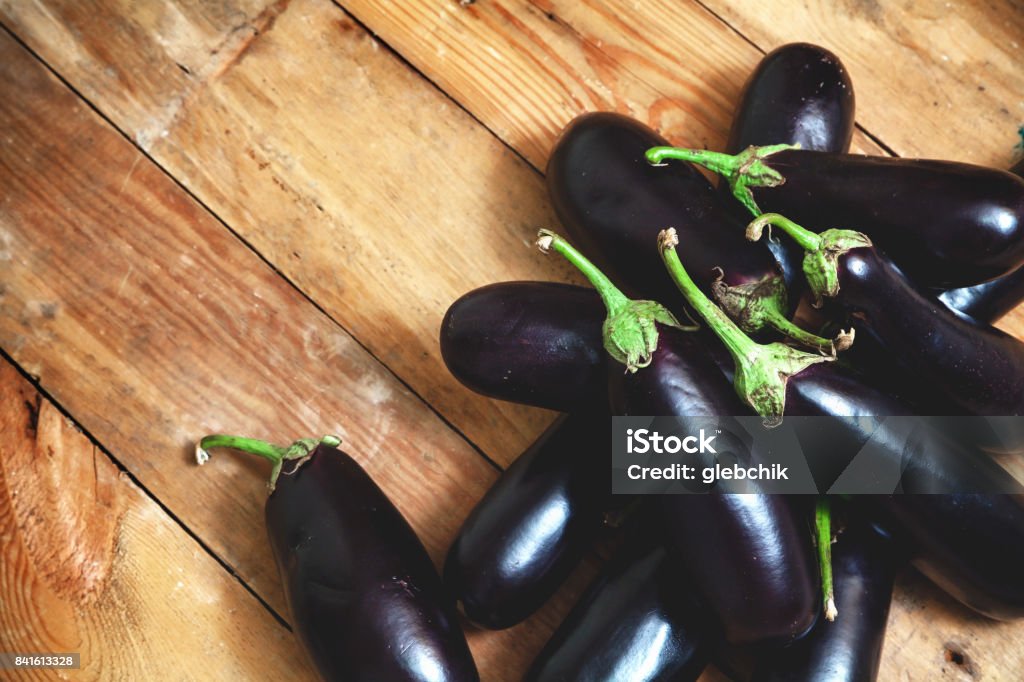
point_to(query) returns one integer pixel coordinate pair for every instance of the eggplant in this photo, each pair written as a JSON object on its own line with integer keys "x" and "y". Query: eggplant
{"x": 612, "y": 203}
{"x": 636, "y": 622}
{"x": 977, "y": 369}
{"x": 987, "y": 302}
{"x": 745, "y": 554}
{"x": 969, "y": 544}
{"x": 506, "y": 341}
{"x": 850, "y": 648}
{"x": 366, "y": 601}
{"x": 799, "y": 94}
{"x": 534, "y": 525}
{"x": 946, "y": 224}
{"x": 974, "y": 567}
{"x": 960, "y": 537}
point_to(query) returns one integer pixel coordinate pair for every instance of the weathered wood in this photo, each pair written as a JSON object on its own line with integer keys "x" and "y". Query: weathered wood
{"x": 928, "y": 633}
{"x": 90, "y": 565}
{"x": 936, "y": 79}
{"x": 354, "y": 176}
{"x": 526, "y": 68}
{"x": 153, "y": 325}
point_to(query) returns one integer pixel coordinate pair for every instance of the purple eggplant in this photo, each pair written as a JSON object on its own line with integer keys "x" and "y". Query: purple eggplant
{"x": 987, "y": 302}
{"x": 976, "y": 368}
{"x": 636, "y": 622}
{"x": 486, "y": 332}
{"x": 534, "y": 525}
{"x": 968, "y": 564}
{"x": 799, "y": 94}
{"x": 969, "y": 544}
{"x": 613, "y": 203}
{"x": 946, "y": 224}
{"x": 746, "y": 555}
{"x": 366, "y": 601}
{"x": 850, "y": 648}
{"x": 959, "y": 537}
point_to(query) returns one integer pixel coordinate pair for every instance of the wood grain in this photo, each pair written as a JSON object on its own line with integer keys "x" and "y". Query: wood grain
{"x": 384, "y": 210}
{"x": 90, "y": 565}
{"x": 153, "y": 325}
{"x": 936, "y": 79}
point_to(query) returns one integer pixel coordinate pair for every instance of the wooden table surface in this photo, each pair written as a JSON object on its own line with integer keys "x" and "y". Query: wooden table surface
{"x": 250, "y": 216}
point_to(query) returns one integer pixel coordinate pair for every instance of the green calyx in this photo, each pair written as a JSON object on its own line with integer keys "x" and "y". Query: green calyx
{"x": 761, "y": 305}
{"x": 822, "y": 251}
{"x": 762, "y": 370}
{"x": 763, "y": 373}
{"x": 630, "y": 330}
{"x": 300, "y": 450}
{"x": 744, "y": 172}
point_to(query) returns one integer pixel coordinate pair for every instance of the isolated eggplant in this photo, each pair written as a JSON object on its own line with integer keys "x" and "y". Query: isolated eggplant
{"x": 987, "y": 302}
{"x": 612, "y": 203}
{"x": 366, "y": 601}
{"x": 746, "y": 555}
{"x": 506, "y": 341}
{"x": 946, "y": 224}
{"x": 636, "y": 622}
{"x": 534, "y": 525}
{"x": 976, "y": 368}
{"x": 848, "y": 649}
{"x": 798, "y": 94}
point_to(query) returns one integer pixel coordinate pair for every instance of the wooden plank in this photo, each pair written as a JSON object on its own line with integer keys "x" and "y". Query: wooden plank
{"x": 90, "y": 565}
{"x": 674, "y": 65}
{"x": 935, "y": 79}
{"x": 385, "y": 210}
{"x": 928, "y": 633}
{"x": 526, "y": 68}
{"x": 153, "y": 325}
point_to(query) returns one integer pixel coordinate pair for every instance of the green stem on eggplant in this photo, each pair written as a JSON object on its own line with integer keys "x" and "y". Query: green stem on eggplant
{"x": 743, "y": 171}
{"x": 822, "y": 251}
{"x": 630, "y": 329}
{"x": 276, "y": 454}
{"x": 762, "y": 305}
{"x": 823, "y": 528}
{"x": 762, "y": 370}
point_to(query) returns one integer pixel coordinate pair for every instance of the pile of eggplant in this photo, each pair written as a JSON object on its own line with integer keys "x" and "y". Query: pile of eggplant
{"x": 909, "y": 260}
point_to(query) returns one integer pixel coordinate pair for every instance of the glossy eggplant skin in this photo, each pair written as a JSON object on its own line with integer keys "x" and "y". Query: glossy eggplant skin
{"x": 979, "y": 370}
{"x": 635, "y": 622}
{"x": 798, "y": 94}
{"x": 946, "y": 224}
{"x": 970, "y": 545}
{"x": 613, "y": 204}
{"x": 506, "y": 341}
{"x": 987, "y": 302}
{"x": 535, "y": 523}
{"x": 366, "y": 601}
{"x": 747, "y": 555}
{"x": 972, "y": 566}
{"x": 848, "y": 649}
